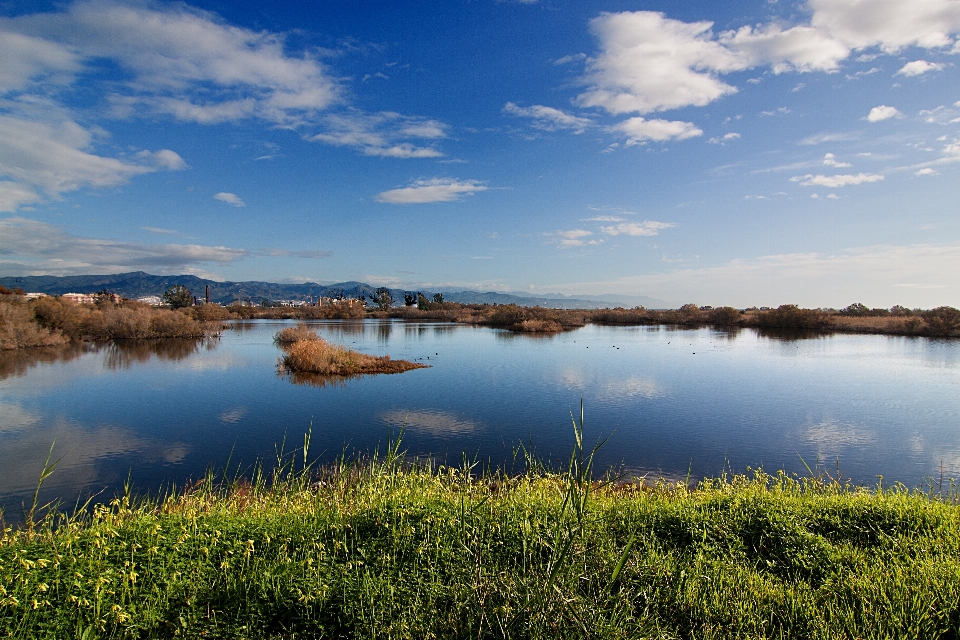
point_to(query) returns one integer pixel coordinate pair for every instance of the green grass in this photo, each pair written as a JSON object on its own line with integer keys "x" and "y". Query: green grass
{"x": 385, "y": 548}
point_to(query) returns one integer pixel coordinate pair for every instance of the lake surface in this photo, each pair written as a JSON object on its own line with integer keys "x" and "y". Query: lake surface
{"x": 671, "y": 401}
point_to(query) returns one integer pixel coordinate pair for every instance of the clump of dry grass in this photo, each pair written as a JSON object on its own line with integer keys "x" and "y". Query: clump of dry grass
{"x": 306, "y": 352}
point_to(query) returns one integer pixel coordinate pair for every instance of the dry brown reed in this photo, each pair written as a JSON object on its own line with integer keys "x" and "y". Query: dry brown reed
{"x": 307, "y": 353}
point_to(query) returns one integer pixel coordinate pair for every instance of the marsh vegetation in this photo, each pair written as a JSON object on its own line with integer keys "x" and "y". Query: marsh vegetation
{"x": 305, "y": 352}
{"x": 387, "y": 547}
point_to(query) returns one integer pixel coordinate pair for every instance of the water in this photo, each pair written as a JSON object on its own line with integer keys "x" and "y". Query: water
{"x": 672, "y": 402}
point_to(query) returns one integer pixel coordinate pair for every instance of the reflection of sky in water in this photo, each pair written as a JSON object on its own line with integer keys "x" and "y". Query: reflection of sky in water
{"x": 670, "y": 400}
{"x": 435, "y": 422}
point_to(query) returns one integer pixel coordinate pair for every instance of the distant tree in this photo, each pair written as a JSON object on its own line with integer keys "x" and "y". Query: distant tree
{"x": 409, "y": 298}
{"x": 178, "y": 296}
{"x": 382, "y": 298}
{"x": 422, "y": 302}
{"x": 856, "y": 309}
{"x": 336, "y": 294}
{"x": 438, "y": 298}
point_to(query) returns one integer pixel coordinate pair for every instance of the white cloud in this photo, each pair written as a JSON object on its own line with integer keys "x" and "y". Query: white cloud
{"x": 640, "y": 130}
{"x": 798, "y": 48}
{"x": 184, "y": 62}
{"x": 883, "y": 112}
{"x": 833, "y": 182}
{"x": 727, "y": 137}
{"x": 645, "y": 228}
{"x": 230, "y": 198}
{"x": 27, "y": 59}
{"x": 918, "y": 68}
{"x": 570, "y": 58}
{"x": 573, "y": 238}
{"x": 548, "y": 118}
{"x": 382, "y": 134}
{"x": 927, "y": 171}
{"x": 830, "y": 160}
{"x": 889, "y": 24}
{"x": 38, "y": 247}
{"x": 648, "y": 62}
{"x": 54, "y": 157}
{"x": 432, "y": 190}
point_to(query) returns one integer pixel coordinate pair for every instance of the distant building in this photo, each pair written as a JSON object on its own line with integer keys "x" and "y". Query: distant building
{"x": 153, "y": 301}
{"x": 79, "y": 298}
{"x": 34, "y": 296}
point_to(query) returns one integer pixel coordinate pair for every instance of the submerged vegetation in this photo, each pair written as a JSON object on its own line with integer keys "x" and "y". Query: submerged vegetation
{"x": 391, "y": 548}
{"x": 305, "y": 352}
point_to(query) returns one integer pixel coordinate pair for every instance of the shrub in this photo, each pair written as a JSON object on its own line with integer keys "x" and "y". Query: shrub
{"x": 942, "y": 321}
{"x": 790, "y": 316}
{"x": 19, "y": 329}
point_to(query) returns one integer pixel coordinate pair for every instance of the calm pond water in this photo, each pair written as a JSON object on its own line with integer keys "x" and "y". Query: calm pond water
{"x": 671, "y": 401}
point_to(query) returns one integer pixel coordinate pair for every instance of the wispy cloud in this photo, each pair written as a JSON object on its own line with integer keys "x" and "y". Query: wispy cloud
{"x": 432, "y": 190}
{"x": 573, "y": 238}
{"x": 645, "y": 228}
{"x": 230, "y": 198}
{"x": 42, "y": 159}
{"x": 548, "y": 118}
{"x": 727, "y": 137}
{"x": 38, "y": 247}
{"x": 384, "y": 134}
{"x": 833, "y": 182}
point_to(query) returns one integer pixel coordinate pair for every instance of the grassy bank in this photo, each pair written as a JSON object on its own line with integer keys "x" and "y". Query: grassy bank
{"x": 383, "y": 549}
{"x": 305, "y": 352}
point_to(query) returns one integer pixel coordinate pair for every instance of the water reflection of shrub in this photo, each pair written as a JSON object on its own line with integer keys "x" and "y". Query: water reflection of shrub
{"x": 316, "y": 379}
{"x": 16, "y": 362}
{"x": 121, "y": 355}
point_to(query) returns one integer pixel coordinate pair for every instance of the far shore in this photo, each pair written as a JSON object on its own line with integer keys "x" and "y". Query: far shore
{"x": 51, "y": 321}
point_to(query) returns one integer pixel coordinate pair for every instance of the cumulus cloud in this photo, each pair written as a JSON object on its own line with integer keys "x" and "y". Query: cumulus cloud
{"x": 54, "y": 157}
{"x": 830, "y": 160}
{"x": 38, "y": 247}
{"x": 883, "y": 112}
{"x": 918, "y": 68}
{"x": 548, "y": 118}
{"x": 645, "y": 228}
{"x": 639, "y": 130}
{"x": 927, "y": 171}
{"x": 230, "y": 198}
{"x": 647, "y": 62}
{"x": 890, "y": 25}
{"x": 432, "y": 190}
{"x": 833, "y": 182}
{"x": 383, "y": 134}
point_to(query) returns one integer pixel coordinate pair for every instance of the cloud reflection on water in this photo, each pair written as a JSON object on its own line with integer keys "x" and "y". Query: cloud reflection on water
{"x": 425, "y": 420}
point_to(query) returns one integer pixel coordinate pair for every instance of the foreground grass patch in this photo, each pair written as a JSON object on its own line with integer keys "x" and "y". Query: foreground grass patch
{"x": 382, "y": 549}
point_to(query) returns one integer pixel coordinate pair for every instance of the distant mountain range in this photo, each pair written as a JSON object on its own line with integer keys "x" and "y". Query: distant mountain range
{"x": 138, "y": 284}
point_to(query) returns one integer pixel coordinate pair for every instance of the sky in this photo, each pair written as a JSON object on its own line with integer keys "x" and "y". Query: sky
{"x": 760, "y": 152}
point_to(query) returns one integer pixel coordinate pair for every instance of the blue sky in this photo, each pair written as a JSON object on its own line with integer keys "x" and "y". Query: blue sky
{"x": 750, "y": 153}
